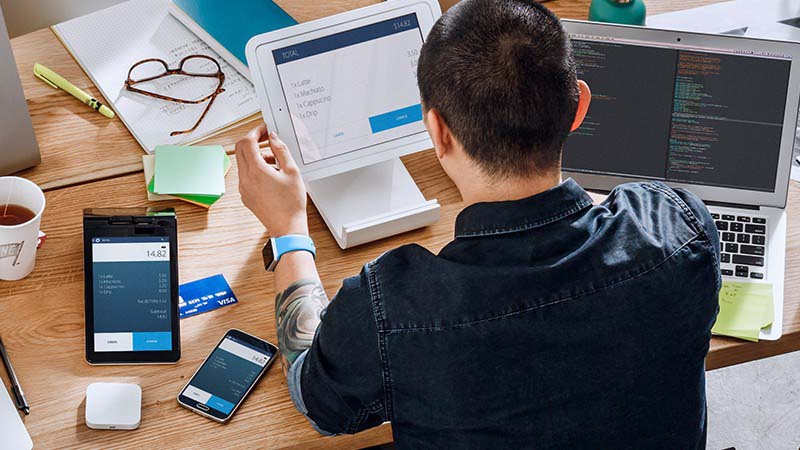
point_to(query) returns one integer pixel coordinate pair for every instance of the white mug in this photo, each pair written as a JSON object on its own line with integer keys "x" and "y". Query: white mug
{"x": 18, "y": 243}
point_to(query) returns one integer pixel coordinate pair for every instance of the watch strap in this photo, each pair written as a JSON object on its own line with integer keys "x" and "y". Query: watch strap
{"x": 291, "y": 243}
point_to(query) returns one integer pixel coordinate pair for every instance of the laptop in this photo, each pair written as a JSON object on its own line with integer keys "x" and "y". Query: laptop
{"x": 19, "y": 149}
{"x": 12, "y": 430}
{"x": 712, "y": 114}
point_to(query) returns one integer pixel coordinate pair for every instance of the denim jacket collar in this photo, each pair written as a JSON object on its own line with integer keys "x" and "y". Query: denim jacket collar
{"x": 492, "y": 218}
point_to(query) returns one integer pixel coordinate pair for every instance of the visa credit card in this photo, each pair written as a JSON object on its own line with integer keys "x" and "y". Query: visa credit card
{"x": 204, "y": 295}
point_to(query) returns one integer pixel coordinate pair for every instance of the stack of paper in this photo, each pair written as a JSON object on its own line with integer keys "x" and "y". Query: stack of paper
{"x": 744, "y": 309}
{"x": 193, "y": 174}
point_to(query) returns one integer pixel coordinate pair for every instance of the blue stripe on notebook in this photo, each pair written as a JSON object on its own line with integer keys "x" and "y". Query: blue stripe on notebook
{"x": 233, "y": 22}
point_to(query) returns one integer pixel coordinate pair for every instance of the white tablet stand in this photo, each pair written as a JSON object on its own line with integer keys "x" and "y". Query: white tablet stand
{"x": 371, "y": 203}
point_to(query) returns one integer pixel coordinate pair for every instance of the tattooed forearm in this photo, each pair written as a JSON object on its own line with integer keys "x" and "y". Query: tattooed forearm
{"x": 298, "y": 312}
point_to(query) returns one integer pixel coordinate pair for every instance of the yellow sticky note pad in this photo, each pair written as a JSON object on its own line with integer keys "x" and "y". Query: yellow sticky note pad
{"x": 744, "y": 309}
{"x": 747, "y": 335}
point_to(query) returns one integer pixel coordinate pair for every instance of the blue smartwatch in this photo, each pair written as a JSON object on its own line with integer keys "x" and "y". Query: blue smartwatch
{"x": 279, "y": 246}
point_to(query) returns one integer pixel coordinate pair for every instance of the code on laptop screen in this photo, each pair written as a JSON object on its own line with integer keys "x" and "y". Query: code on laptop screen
{"x": 678, "y": 115}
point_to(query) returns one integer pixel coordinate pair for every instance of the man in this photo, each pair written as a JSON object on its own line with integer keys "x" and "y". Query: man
{"x": 547, "y": 321}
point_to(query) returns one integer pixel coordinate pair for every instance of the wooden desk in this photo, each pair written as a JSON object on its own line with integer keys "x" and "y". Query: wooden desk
{"x": 43, "y": 327}
{"x": 42, "y": 316}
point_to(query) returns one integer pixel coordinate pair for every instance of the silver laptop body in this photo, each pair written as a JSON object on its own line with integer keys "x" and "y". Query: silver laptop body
{"x": 18, "y": 147}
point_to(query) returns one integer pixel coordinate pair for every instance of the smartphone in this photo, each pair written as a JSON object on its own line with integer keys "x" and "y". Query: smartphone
{"x": 227, "y": 375}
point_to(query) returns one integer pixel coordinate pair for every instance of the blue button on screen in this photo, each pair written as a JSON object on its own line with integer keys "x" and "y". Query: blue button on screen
{"x": 152, "y": 341}
{"x": 220, "y": 404}
{"x": 396, "y": 118}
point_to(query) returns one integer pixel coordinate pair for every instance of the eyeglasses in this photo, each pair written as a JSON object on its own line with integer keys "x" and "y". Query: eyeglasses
{"x": 190, "y": 66}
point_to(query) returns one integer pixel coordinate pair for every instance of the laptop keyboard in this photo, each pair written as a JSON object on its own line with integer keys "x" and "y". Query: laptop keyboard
{"x": 743, "y": 245}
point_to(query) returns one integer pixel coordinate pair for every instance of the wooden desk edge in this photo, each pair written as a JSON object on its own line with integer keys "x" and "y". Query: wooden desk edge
{"x": 741, "y": 352}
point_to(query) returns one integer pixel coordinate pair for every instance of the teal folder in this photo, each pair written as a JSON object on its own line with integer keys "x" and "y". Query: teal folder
{"x": 233, "y": 22}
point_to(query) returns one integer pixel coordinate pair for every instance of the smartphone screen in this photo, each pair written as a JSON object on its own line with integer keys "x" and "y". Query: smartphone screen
{"x": 227, "y": 375}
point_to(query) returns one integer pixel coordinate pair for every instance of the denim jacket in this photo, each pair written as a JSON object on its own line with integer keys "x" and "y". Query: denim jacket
{"x": 548, "y": 322}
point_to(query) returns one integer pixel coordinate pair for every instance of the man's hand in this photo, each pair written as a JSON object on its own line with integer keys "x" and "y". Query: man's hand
{"x": 276, "y": 195}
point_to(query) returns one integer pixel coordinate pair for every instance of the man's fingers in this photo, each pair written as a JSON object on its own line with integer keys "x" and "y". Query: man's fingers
{"x": 259, "y": 133}
{"x": 281, "y": 152}
{"x": 247, "y": 151}
{"x": 268, "y": 156}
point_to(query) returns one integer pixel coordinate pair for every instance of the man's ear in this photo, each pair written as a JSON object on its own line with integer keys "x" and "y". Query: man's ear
{"x": 440, "y": 133}
{"x": 584, "y": 99}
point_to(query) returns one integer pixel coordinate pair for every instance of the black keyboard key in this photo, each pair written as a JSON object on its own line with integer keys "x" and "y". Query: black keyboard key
{"x": 714, "y": 216}
{"x": 755, "y": 229}
{"x": 742, "y": 271}
{"x": 732, "y": 248}
{"x": 728, "y": 217}
{"x": 756, "y": 250}
{"x": 728, "y": 237}
{"x": 749, "y": 260}
{"x": 722, "y": 226}
{"x": 727, "y": 272}
{"x": 758, "y": 240}
{"x": 742, "y": 219}
{"x": 757, "y": 275}
{"x": 737, "y": 227}
{"x": 760, "y": 220}
{"x": 743, "y": 238}
{"x": 725, "y": 257}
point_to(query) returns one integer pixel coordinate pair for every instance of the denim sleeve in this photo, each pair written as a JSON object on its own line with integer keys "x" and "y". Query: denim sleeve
{"x": 338, "y": 382}
{"x": 702, "y": 214}
{"x": 296, "y": 393}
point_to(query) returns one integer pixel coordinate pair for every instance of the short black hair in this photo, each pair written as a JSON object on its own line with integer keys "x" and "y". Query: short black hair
{"x": 501, "y": 75}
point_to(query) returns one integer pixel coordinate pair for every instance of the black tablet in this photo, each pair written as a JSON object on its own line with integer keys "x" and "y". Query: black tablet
{"x": 131, "y": 286}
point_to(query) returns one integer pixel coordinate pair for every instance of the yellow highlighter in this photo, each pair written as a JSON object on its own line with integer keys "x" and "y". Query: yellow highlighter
{"x": 57, "y": 81}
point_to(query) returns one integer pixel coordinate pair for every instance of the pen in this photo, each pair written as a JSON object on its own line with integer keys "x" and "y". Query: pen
{"x": 261, "y": 146}
{"x": 57, "y": 81}
{"x": 19, "y": 396}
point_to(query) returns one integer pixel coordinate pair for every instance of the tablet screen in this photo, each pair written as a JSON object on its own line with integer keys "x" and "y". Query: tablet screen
{"x": 354, "y": 89}
{"x": 131, "y": 287}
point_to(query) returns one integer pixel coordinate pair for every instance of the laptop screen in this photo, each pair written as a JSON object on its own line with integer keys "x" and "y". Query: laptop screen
{"x": 680, "y": 115}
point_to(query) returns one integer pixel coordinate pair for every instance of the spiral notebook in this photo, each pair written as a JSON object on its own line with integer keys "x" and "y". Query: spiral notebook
{"x": 108, "y": 42}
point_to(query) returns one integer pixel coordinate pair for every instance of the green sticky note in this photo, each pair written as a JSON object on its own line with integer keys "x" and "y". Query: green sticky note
{"x": 193, "y": 170}
{"x": 744, "y": 309}
{"x": 201, "y": 200}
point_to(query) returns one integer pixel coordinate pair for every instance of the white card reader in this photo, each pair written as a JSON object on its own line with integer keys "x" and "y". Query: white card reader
{"x": 113, "y": 406}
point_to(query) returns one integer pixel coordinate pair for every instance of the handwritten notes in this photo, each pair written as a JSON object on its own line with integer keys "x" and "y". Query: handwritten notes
{"x": 744, "y": 309}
